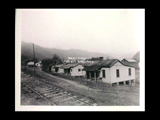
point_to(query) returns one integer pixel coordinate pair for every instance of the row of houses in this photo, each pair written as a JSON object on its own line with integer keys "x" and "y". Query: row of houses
{"x": 109, "y": 71}
{"x": 30, "y": 63}
{"x": 82, "y": 59}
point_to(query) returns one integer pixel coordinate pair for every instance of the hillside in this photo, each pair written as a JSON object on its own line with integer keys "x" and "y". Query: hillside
{"x": 42, "y": 53}
{"x": 137, "y": 56}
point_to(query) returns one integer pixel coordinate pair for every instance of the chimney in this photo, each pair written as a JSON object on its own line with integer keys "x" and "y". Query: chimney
{"x": 101, "y": 58}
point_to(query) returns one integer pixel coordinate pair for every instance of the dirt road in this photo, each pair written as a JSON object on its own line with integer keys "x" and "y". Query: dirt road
{"x": 65, "y": 81}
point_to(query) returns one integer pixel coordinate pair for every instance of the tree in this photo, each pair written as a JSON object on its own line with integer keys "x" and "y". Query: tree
{"x": 24, "y": 59}
{"x": 137, "y": 56}
{"x": 56, "y": 59}
{"x": 46, "y": 63}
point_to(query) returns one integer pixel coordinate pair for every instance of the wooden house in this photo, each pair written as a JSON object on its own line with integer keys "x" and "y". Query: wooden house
{"x": 30, "y": 63}
{"x": 58, "y": 68}
{"x": 77, "y": 71}
{"x": 74, "y": 69}
{"x": 131, "y": 62}
{"x": 111, "y": 71}
{"x": 52, "y": 68}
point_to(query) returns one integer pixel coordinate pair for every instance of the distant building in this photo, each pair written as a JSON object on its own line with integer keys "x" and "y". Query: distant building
{"x": 52, "y": 68}
{"x": 58, "y": 68}
{"x": 131, "y": 62}
{"x": 82, "y": 59}
{"x": 77, "y": 71}
{"x": 76, "y": 59}
{"x": 67, "y": 61}
{"x": 30, "y": 63}
{"x": 74, "y": 69}
{"x": 38, "y": 64}
{"x": 93, "y": 59}
{"x": 69, "y": 69}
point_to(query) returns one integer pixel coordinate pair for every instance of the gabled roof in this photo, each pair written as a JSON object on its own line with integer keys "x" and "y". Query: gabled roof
{"x": 105, "y": 63}
{"x": 52, "y": 65}
{"x": 58, "y": 66}
{"x": 67, "y": 66}
{"x": 30, "y": 60}
{"x": 130, "y": 60}
{"x": 88, "y": 64}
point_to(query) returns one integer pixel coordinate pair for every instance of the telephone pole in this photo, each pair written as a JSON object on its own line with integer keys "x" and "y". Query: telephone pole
{"x": 34, "y": 59}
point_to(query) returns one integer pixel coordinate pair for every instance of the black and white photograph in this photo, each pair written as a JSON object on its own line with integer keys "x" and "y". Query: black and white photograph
{"x": 79, "y": 59}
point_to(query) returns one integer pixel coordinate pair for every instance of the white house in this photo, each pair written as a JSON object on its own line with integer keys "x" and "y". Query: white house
{"x": 77, "y": 70}
{"x": 59, "y": 68}
{"x": 117, "y": 73}
{"x": 111, "y": 71}
{"x": 69, "y": 69}
{"x": 38, "y": 64}
{"x": 74, "y": 69}
{"x": 30, "y": 63}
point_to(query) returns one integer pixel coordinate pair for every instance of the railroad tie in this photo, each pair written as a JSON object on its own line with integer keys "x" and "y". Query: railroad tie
{"x": 69, "y": 98}
{"x": 51, "y": 93}
{"x": 47, "y": 91}
{"x": 59, "y": 96}
{"x": 69, "y": 94}
{"x": 94, "y": 104}
{"x": 87, "y": 101}
{"x": 54, "y": 95}
{"x": 75, "y": 96}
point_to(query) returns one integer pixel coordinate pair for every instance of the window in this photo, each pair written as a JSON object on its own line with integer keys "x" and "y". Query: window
{"x": 117, "y": 72}
{"x": 79, "y": 70}
{"x": 129, "y": 71}
{"x": 103, "y": 72}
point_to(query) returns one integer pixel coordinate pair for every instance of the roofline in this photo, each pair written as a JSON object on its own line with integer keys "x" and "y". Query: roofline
{"x": 116, "y": 62}
{"x": 130, "y": 58}
{"x": 71, "y": 66}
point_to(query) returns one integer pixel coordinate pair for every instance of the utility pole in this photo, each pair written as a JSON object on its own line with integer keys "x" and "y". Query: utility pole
{"x": 34, "y": 59}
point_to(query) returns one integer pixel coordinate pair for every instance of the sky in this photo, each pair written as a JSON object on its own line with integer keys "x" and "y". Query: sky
{"x": 117, "y": 32}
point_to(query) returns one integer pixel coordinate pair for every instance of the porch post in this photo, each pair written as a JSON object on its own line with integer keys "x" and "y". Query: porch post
{"x": 117, "y": 83}
{"x": 85, "y": 76}
{"x": 129, "y": 82}
{"x": 95, "y": 75}
{"x": 89, "y": 75}
{"x": 124, "y": 82}
{"x": 133, "y": 82}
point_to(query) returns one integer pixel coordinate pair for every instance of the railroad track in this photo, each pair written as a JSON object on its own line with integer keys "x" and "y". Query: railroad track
{"x": 110, "y": 92}
{"x": 50, "y": 102}
{"x": 56, "y": 95}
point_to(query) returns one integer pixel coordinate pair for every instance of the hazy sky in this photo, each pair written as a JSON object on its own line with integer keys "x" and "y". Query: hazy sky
{"x": 114, "y": 31}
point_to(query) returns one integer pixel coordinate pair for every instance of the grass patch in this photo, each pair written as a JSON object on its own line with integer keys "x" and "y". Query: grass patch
{"x": 89, "y": 83}
{"x": 30, "y": 72}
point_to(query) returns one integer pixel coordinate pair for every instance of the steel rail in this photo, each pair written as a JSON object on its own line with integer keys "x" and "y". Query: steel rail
{"x": 52, "y": 104}
{"x": 50, "y": 83}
